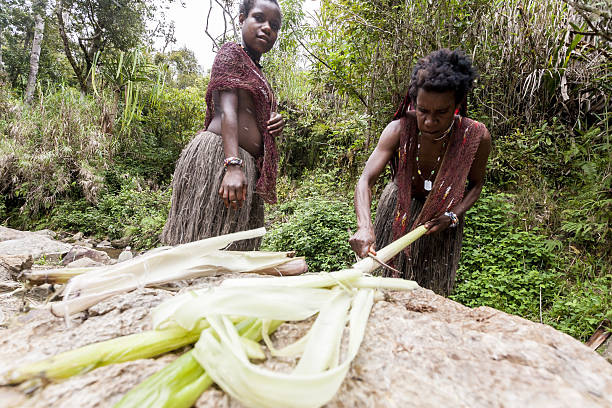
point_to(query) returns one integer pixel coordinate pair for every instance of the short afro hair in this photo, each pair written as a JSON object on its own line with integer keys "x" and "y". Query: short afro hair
{"x": 441, "y": 71}
{"x": 246, "y": 6}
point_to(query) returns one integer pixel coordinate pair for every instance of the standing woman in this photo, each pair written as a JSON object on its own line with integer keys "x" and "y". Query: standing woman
{"x": 225, "y": 174}
{"x": 433, "y": 153}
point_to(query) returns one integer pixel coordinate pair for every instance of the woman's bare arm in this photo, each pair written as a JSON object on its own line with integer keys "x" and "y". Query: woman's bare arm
{"x": 234, "y": 185}
{"x": 364, "y": 239}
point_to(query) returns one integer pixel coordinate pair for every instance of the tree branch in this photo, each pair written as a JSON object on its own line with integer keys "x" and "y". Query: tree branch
{"x": 350, "y": 87}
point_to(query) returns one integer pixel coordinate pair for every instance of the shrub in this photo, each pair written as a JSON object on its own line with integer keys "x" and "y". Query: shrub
{"x": 3, "y": 212}
{"x": 135, "y": 211}
{"x": 501, "y": 266}
{"x": 317, "y": 229}
{"x": 515, "y": 271}
{"x": 581, "y": 304}
{"x": 168, "y": 124}
{"x": 52, "y": 150}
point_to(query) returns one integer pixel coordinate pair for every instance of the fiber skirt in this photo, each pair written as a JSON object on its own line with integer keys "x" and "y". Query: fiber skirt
{"x": 434, "y": 258}
{"x": 197, "y": 211}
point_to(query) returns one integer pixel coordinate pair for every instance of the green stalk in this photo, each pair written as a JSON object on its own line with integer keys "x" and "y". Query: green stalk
{"x": 368, "y": 265}
{"x": 136, "y": 346}
{"x": 180, "y": 383}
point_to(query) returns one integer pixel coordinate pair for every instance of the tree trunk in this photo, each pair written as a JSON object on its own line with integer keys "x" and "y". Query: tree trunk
{"x": 1, "y": 63}
{"x": 39, "y": 28}
{"x": 62, "y": 31}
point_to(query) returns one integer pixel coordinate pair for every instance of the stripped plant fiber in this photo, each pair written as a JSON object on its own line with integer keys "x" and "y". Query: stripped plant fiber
{"x": 186, "y": 261}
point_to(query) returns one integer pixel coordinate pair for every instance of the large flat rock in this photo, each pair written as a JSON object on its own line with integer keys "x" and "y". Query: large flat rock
{"x": 7, "y": 234}
{"x": 419, "y": 350}
{"x": 23, "y": 243}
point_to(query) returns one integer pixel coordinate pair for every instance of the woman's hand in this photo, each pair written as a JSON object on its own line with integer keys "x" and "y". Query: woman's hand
{"x": 438, "y": 224}
{"x": 362, "y": 241}
{"x": 233, "y": 187}
{"x": 276, "y": 124}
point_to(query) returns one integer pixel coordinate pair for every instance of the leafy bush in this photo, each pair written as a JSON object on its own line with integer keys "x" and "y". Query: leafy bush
{"x": 582, "y": 304}
{"x": 135, "y": 211}
{"x": 167, "y": 124}
{"x": 515, "y": 271}
{"x": 317, "y": 229}
{"x": 501, "y": 266}
{"x": 3, "y": 212}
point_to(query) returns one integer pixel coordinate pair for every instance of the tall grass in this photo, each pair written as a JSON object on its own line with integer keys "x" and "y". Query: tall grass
{"x": 52, "y": 148}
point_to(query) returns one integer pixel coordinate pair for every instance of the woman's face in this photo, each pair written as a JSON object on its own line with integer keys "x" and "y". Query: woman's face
{"x": 435, "y": 112}
{"x": 260, "y": 27}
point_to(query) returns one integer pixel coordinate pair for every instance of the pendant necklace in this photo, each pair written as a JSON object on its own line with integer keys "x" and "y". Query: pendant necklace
{"x": 427, "y": 182}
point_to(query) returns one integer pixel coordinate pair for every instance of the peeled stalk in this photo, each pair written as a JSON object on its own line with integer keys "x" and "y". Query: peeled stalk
{"x": 353, "y": 277}
{"x": 319, "y": 372}
{"x": 179, "y": 384}
{"x": 127, "y": 348}
{"x": 368, "y": 265}
{"x": 186, "y": 261}
{"x": 56, "y": 276}
{"x": 310, "y": 384}
{"x": 274, "y": 303}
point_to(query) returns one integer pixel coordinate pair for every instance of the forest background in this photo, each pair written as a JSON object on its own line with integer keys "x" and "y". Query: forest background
{"x": 92, "y": 120}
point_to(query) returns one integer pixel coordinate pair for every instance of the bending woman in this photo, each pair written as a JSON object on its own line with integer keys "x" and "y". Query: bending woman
{"x": 433, "y": 153}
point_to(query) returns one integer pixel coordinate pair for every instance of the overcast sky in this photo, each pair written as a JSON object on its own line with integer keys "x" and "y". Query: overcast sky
{"x": 190, "y": 22}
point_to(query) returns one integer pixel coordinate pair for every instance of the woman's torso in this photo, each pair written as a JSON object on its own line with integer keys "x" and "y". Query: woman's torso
{"x": 249, "y": 137}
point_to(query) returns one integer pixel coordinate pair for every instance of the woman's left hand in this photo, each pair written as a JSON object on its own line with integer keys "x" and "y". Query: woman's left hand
{"x": 276, "y": 124}
{"x": 438, "y": 224}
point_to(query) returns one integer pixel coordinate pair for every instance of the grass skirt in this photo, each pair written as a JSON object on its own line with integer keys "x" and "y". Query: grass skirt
{"x": 434, "y": 257}
{"x": 197, "y": 211}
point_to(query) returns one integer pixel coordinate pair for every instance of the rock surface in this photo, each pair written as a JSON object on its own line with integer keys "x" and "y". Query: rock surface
{"x": 78, "y": 252}
{"x": 7, "y": 234}
{"x": 419, "y": 350}
{"x": 14, "y": 242}
{"x": 84, "y": 263}
{"x": 16, "y": 263}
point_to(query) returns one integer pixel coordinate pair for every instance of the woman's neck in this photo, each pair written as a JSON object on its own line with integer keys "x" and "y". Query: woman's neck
{"x": 254, "y": 56}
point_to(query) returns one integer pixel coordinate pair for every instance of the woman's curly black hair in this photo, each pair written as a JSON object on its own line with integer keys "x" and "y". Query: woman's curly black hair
{"x": 441, "y": 71}
{"x": 246, "y": 6}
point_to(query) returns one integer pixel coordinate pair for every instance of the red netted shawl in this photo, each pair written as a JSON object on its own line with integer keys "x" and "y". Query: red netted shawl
{"x": 233, "y": 69}
{"x": 449, "y": 185}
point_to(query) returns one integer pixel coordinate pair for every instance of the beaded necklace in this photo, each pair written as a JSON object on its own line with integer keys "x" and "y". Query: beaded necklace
{"x": 428, "y": 182}
{"x": 269, "y": 95}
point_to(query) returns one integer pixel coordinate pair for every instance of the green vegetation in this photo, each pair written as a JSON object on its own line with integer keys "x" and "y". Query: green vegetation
{"x": 95, "y": 150}
{"x": 520, "y": 271}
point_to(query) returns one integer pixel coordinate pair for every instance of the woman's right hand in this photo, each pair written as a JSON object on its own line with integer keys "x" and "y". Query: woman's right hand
{"x": 363, "y": 241}
{"x": 233, "y": 187}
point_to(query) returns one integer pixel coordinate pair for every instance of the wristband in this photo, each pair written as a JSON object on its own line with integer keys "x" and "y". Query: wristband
{"x": 453, "y": 217}
{"x": 233, "y": 161}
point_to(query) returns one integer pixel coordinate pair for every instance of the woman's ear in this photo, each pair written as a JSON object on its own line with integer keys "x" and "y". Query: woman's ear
{"x": 241, "y": 18}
